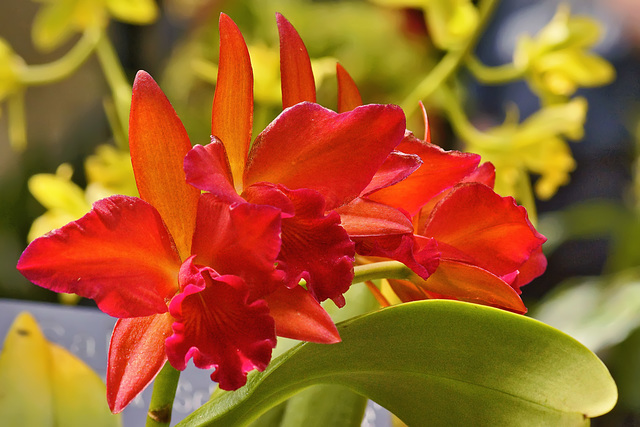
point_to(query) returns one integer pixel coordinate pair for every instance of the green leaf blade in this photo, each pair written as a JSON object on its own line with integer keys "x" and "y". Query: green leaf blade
{"x": 444, "y": 362}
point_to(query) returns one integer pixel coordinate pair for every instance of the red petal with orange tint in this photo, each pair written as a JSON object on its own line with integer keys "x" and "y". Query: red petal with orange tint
{"x": 119, "y": 254}
{"x": 300, "y": 317}
{"x": 308, "y": 146}
{"x": 440, "y": 169}
{"x": 472, "y": 284}
{"x": 232, "y": 115}
{"x": 491, "y": 231}
{"x": 362, "y": 217}
{"x": 532, "y": 268}
{"x": 295, "y": 66}
{"x": 397, "y": 167}
{"x": 207, "y": 168}
{"x": 243, "y": 240}
{"x": 348, "y": 93}
{"x": 158, "y": 143}
{"x": 217, "y": 327}
{"x": 136, "y": 355}
{"x": 418, "y": 253}
{"x": 316, "y": 248}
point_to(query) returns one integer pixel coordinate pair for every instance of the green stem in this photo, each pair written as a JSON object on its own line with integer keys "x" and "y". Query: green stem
{"x": 459, "y": 121}
{"x": 450, "y": 62}
{"x": 119, "y": 85}
{"x": 17, "y": 121}
{"x": 493, "y": 75}
{"x": 61, "y": 68}
{"x": 381, "y": 270}
{"x": 164, "y": 391}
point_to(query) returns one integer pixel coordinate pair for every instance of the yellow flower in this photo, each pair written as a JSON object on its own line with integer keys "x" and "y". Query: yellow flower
{"x": 59, "y": 19}
{"x": 450, "y": 22}
{"x": 108, "y": 172}
{"x": 557, "y": 61}
{"x": 10, "y": 64}
{"x": 537, "y": 145}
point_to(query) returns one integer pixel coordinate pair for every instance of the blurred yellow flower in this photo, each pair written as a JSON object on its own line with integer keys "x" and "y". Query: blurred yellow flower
{"x": 10, "y": 64}
{"x": 537, "y": 145}
{"x": 59, "y": 19}
{"x": 557, "y": 61}
{"x": 450, "y": 22}
{"x": 108, "y": 172}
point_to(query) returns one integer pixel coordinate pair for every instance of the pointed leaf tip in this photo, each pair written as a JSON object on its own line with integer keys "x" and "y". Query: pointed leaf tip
{"x": 348, "y": 93}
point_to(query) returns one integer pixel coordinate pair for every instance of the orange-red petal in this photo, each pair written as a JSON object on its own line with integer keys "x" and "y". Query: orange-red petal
{"x": 309, "y": 146}
{"x": 232, "y": 115}
{"x": 472, "y": 284}
{"x": 440, "y": 170}
{"x": 362, "y": 217}
{"x": 297, "y": 80}
{"x": 119, "y": 254}
{"x": 158, "y": 143}
{"x": 348, "y": 93}
{"x": 299, "y": 316}
{"x": 242, "y": 239}
{"x": 218, "y": 327}
{"x": 136, "y": 355}
{"x": 476, "y": 225}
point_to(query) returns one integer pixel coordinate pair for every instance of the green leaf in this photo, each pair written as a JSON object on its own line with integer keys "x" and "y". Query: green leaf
{"x": 441, "y": 363}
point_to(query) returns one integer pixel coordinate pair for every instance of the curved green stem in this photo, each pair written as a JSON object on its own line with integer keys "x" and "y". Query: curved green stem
{"x": 459, "y": 121}
{"x": 32, "y": 75}
{"x": 17, "y": 121}
{"x": 493, "y": 75}
{"x": 164, "y": 392}
{"x": 450, "y": 62}
{"x": 120, "y": 88}
{"x": 381, "y": 270}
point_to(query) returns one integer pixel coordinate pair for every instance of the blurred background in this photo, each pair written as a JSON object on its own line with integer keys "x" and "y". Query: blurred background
{"x": 591, "y": 289}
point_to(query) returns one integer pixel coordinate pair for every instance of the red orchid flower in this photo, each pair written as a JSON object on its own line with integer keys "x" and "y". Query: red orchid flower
{"x": 308, "y": 162}
{"x": 486, "y": 246}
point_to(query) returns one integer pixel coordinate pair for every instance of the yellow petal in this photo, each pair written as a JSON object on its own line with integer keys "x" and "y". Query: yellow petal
{"x": 133, "y": 11}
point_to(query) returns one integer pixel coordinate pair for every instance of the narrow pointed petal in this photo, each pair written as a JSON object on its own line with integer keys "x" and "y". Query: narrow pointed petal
{"x": 243, "y": 240}
{"x": 299, "y": 316}
{"x": 472, "y": 284}
{"x": 207, "y": 168}
{"x": 232, "y": 115}
{"x": 309, "y": 146}
{"x": 158, "y": 143}
{"x": 427, "y": 128}
{"x": 316, "y": 248}
{"x": 440, "y": 170}
{"x": 217, "y": 327}
{"x": 136, "y": 355}
{"x": 362, "y": 217}
{"x": 397, "y": 167}
{"x": 119, "y": 254}
{"x": 491, "y": 231}
{"x": 418, "y": 253}
{"x": 297, "y": 80}
{"x": 348, "y": 94}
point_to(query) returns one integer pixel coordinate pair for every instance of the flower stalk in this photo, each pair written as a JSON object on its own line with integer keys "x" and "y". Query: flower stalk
{"x": 164, "y": 392}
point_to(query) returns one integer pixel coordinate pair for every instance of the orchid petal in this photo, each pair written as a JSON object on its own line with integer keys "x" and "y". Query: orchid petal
{"x": 217, "y": 326}
{"x": 472, "y": 284}
{"x": 440, "y": 169}
{"x": 299, "y": 316}
{"x": 297, "y": 80}
{"x": 532, "y": 268}
{"x": 348, "y": 94}
{"x": 362, "y": 217}
{"x": 158, "y": 143}
{"x": 316, "y": 248}
{"x": 207, "y": 168}
{"x": 308, "y": 146}
{"x": 397, "y": 167}
{"x": 136, "y": 355}
{"x": 243, "y": 240}
{"x": 418, "y": 253}
{"x": 491, "y": 231}
{"x": 484, "y": 174}
{"x": 232, "y": 115}
{"x": 119, "y": 254}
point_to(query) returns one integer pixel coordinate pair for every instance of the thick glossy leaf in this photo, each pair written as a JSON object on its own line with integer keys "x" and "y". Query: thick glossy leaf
{"x": 442, "y": 363}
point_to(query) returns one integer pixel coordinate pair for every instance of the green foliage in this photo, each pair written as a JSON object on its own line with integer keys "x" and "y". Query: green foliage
{"x": 445, "y": 362}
